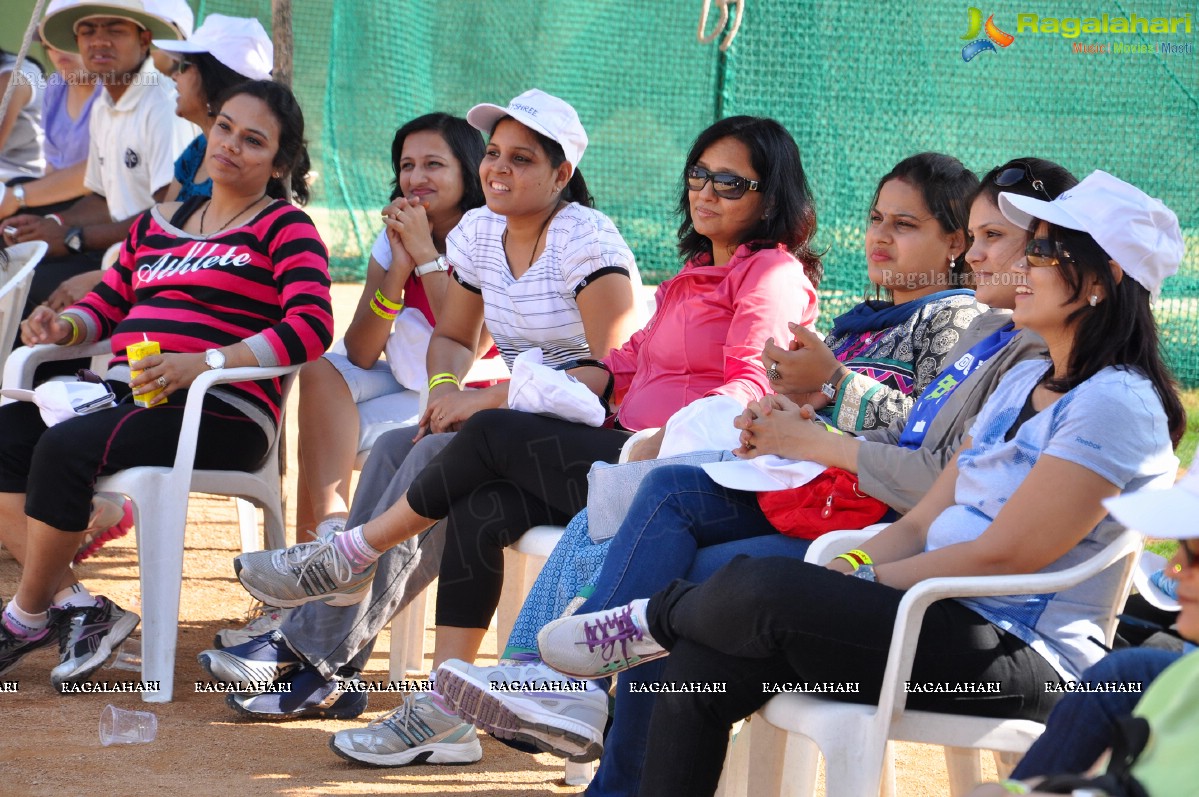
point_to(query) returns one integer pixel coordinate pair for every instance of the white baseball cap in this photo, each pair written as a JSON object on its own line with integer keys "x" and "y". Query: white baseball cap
{"x": 240, "y": 43}
{"x": 1139, "y": 232}
{"x": 538, "y": 111}
{"x": 165, "y": 19}
{"x": 1171, "y": 514}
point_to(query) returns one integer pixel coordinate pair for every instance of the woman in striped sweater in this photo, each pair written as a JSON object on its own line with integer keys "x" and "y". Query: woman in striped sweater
{"x": 240, "y": 279}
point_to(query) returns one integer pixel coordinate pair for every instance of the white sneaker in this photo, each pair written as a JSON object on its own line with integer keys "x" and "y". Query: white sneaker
{"x": 598, "y": 644}
{"x": 261, "y": 619}
{"x": 529, "y": 703}
{"x": 416, "y": 732}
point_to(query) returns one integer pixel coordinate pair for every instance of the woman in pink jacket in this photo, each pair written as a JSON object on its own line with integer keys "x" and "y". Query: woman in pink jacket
{"x": 748, "y": 218}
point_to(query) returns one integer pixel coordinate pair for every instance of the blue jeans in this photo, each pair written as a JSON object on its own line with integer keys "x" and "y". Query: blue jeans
{"x": 681, "y": 524}
{"x": 677, "y": 511}
{"x": 1080, "y": 727}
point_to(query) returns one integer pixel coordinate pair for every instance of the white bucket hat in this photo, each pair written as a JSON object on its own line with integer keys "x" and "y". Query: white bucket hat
{"x": 165, "y": 19}
{"x": 538, "y": 111}
{"x": 1139, "y": 232}
{"x": 240, "y": 43}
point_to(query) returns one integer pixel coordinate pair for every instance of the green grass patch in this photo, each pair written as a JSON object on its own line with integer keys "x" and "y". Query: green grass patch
{"x": 1166, "y": 548}
{"x": 1186, "y": 448}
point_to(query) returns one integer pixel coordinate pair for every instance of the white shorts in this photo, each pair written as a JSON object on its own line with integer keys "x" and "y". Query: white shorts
{"x": 365, "y": 383}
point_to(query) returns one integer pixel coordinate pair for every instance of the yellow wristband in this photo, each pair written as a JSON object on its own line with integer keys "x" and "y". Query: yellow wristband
{"x": 854, "y": 563}
{"x": 437, "y": 382}
{"x": 862, "y": 555}
{"x": 379, "y": 311}
{"x": 74, "y": 330}
{"x": 447, "y": 374}
{"x": 1015, "y": 787}
{"x": 388, "y": 303}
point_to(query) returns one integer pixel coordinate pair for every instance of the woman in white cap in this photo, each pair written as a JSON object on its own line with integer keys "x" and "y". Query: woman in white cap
{"x": 1023, "y": 494}
{"x": 542, "y": 269}
{"x": 223, "y": 52}
{"x": 1161, "y": 762}
{"x": 747, "y": 222}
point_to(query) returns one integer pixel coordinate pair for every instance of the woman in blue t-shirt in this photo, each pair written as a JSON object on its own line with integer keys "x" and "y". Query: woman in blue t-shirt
{"x": 1023, "y": 493}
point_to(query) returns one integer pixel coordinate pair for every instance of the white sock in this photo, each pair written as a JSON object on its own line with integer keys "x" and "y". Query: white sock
{"x": 330, "y": 525}
{"x": 75, "y": 595}
{"x": 638, "y": 613}
{"x": 23, "y": 623}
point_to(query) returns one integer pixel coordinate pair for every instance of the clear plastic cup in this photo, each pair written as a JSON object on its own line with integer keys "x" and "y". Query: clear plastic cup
{"x": 119, "y": 726}
{"x": 129, "y": 656}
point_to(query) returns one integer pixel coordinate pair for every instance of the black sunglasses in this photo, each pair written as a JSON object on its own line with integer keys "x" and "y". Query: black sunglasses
{"x": 183, "y": 66}
{"x": 1044, "y": 253}
{"x": 725, "y": 184}
{"x": 1014, "y": 174}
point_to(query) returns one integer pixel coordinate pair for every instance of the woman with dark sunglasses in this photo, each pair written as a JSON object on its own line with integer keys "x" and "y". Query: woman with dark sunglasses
{"x": 1023, "y": 495}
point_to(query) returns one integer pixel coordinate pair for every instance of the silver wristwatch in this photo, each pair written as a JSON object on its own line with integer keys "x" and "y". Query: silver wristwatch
{"x": 438, "y": 264}
{"x": 18, "y": 191}
{"x": 865, "y": 572}
{"x": 214, "y": 359}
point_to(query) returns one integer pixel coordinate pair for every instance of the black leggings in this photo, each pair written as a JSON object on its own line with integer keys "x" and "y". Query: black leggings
{"x": 57, "y": 467}
{"x": 504, "y": 472}
{"x": 777, "y": 620}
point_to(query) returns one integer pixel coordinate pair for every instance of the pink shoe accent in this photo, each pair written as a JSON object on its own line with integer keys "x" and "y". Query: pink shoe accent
{"x": 120, "y": 529}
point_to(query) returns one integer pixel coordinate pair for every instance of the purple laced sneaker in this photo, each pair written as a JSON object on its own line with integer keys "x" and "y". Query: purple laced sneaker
{"x": 599, "y": 644}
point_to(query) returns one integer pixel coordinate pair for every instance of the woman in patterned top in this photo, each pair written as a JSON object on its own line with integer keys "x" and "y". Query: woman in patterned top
{"x": 881, "y": 355}
{"x": 240, "y": 279}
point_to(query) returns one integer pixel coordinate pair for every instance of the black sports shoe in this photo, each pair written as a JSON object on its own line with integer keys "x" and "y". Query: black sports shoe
{"x": 251, "y": 665}
{"x": 87, "y": 636}
{"x": 302, "y": 693}
{"x": 14, "y": 648}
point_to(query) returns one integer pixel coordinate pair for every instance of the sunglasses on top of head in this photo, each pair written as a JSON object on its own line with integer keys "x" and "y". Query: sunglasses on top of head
{"x": 1021, "y": 171}
{"x": 725, "y": 185}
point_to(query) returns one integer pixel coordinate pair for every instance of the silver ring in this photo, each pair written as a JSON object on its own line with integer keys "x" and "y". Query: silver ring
{"x": 772, "y": 373}
{"x": 161, "y": 381}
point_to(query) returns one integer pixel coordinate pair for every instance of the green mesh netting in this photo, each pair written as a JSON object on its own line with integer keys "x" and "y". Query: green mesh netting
{"x": 859, "y": 85}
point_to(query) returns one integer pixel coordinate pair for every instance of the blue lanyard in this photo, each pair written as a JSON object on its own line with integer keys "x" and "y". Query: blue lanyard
{"x": 941, "y": 388}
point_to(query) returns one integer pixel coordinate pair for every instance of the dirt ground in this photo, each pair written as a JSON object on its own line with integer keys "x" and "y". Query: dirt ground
{"x": 51, "y": 744}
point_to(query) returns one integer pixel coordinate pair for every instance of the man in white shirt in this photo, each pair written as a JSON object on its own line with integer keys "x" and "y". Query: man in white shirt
{"x": 135, "y": 137}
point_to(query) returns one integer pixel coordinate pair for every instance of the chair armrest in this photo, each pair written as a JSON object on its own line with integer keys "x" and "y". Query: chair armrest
{"x": 21, "y": 364}
{"x": 916, "y": 601}
{"x": 828, "y": 546}
{"x": 185, "y": 455}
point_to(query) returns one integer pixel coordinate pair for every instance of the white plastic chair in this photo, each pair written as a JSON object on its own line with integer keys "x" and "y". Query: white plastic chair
{"x": 837, "y": 728}
{"x": 16, "y": 277}
{"x": 160, "y": 498}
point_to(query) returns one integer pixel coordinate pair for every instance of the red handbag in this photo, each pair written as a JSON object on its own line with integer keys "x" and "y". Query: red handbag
{"x": 827, "y": 503}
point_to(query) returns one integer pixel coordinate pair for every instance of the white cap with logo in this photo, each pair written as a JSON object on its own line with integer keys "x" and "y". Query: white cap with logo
{"x": 240, "y": 43}
{"x": 1139, "y": 232}
{"x": 538, "y": 111}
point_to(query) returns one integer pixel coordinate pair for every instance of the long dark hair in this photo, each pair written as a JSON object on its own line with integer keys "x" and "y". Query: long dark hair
{"x": 465, "y": 143}
{"x": 947, "y": 188}
{"x": 216, "y": 79}
{"x": 576, "y": 189}
{"x": 1119, "y": 331}
{"x": 292, "y": 158}
{"x": 789, "y": 216}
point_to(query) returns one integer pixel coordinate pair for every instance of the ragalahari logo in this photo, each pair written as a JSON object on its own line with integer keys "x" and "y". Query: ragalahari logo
{"x": 994, "y": 34}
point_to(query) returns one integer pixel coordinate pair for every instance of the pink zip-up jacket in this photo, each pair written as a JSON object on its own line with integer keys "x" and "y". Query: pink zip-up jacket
{"x": 707, "y": 333}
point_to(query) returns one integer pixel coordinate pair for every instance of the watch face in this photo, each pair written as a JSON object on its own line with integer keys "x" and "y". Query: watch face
{"x": 74, "y": 241}
{"x": 214, "y": 358}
